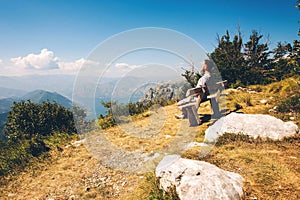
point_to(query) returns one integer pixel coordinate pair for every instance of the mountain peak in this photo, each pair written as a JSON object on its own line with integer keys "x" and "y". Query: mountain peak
{"x": 40, "y": 96}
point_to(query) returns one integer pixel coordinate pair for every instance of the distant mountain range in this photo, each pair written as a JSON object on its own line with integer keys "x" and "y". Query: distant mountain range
{"x": 10, "y": 92}
{"x": 5, "y": 104}
{"x": 40, "y": 96}
{"x": 37, "y": 96}
{"x": 20, "y": 85}
{"x": 88, "y": 94}
{"x": 119, "y": 87}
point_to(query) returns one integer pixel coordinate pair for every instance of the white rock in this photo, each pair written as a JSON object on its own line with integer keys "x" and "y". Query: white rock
{"x": 78, "y": 143}
{"x": 251, "y": 91}
{"x": 168, "y": 136}
{"x": 124, "y": 183}
{"x": 273, "y": 110}
{"x": 253, "y": 125}
{"x": 10, "y": 195}
{"x": 263, "y": 101}
{"x": 196, "y": 144}
{"x": 198, "y": 180}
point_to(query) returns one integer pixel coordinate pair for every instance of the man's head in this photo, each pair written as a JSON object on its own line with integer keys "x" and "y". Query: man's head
{"x": 207, "y": 65}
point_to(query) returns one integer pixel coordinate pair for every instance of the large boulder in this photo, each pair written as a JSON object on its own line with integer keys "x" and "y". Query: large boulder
{"x": 254, "y": 125}
{"x": 198, "y": 180}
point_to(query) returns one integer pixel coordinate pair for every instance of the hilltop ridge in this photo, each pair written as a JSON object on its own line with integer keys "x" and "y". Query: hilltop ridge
{"x": 270, "y": 168}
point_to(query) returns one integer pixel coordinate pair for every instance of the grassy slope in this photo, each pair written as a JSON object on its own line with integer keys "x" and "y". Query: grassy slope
{"x": 270, "y": 169}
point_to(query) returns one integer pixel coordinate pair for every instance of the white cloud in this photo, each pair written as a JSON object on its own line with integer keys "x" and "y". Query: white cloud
{"x": 45, "y": 60}
{"x": 76, "y": 65}
{"x": 118, "y": 69}
{"x": 1, "y": 61}
{"x": 125, "y": 66}
{"x": 121, "y": 65}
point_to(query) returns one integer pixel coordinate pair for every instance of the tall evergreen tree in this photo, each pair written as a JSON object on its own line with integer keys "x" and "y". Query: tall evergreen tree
{"x": 228, "y": 57}
{"x": 279, "y": 62}
{"x": 257, "y": 61}
{"x": 294, "y": 62}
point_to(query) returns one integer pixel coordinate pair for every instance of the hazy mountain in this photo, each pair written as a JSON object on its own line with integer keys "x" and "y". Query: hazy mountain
{"x": 119, "y": 87}
{"x": 6, "y": 103}
{"x": 40, "y": 96}
{"x": 62, "y": 84}
{"x": 10, "y": 92}
{"x": 87, "y": 94}
{"x": 37, "y": 96}
{"x": 8, "y": 81}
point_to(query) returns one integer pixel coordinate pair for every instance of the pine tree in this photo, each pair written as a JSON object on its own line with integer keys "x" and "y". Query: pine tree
{"x": 257, "y": 61}
{"x": 229, "y": 59}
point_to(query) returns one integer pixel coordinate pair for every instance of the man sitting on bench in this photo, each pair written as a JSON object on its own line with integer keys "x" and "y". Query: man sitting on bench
{"x": 201, "y": 91}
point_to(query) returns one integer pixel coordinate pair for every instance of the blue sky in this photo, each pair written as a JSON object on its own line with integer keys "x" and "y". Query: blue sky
{"x": 71, "y": 29}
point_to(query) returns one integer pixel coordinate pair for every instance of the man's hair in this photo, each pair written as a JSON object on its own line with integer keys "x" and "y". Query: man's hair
{"x": 210, "y": 64}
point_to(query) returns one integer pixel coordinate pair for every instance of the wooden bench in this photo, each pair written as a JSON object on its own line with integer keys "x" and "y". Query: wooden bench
{"x": 190, "y": 109}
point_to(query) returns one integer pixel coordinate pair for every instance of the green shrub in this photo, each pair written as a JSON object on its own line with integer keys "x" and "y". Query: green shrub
{"x": 31, "y": 131}
{"x": 291, "y": 104}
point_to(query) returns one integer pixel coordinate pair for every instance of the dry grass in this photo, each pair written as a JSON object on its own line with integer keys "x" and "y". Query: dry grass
{"x": 270, "y": 169}
{"x": 69, "y": 174}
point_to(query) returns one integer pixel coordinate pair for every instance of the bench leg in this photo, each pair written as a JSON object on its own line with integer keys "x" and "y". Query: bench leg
{"x": 192, "y": 115}
{"x": 215, "y": 107}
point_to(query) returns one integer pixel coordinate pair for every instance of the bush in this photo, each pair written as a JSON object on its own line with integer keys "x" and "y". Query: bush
{"x": 291, "y": 104}
{"x": 31, "y": 131}
{"x": 29, "y": 120}
{"x": 13, "y": 155}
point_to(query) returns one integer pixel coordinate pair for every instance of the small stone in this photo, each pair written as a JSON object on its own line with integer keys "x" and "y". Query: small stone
{"x": 102, "y": 179}
{"x": 272, "y": 110}
{"x": 78, "y": 143}
{"x": 292, "y": 118}
{"x": 11, "y": 195}
{"x": 196, "y": 144}
{"x": 124, "y": 183}
{"x": 72, "y": 197}
{"x": 263, "y": 101}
